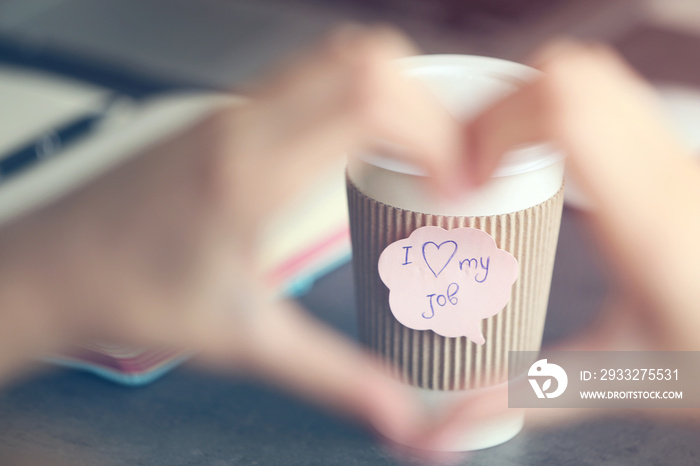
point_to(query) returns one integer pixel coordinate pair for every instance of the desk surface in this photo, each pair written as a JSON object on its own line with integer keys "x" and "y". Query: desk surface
{"x": 195, "y": 418}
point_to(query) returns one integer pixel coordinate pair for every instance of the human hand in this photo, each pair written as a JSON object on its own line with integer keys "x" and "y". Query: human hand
{"x": 162, "y": 251}
{"x": 644, "y": 188}
{"x": 642, "y": 182}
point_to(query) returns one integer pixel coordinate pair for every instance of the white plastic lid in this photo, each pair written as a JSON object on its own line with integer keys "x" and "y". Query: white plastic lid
{"x": 465, "y": 85}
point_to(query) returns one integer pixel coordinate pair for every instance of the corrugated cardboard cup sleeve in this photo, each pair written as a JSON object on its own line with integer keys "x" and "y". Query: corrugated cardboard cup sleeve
{"x": 421, "y": 357}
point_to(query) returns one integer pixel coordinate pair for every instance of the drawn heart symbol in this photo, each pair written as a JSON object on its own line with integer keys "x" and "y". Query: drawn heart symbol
{"x": 437, "y": 256}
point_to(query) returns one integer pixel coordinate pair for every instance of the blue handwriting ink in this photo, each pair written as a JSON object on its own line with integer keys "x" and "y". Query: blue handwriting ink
{"x": 438, "y": 246}
{"x": 406, "y": 261}
{"x": 473, "y": 262}
{"x": 442, "y": 299}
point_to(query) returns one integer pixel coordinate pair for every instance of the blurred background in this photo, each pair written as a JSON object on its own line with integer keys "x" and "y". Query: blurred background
{"x": 221, "y": 42}
{"x": 65, "y": 59}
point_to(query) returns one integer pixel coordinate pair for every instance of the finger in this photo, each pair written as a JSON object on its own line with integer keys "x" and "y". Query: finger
{"x": 270, "y": 178}
{"x": 615, "y": 330}
{"x": 624, "y": 157}
{"x": 622, "y": 327}
{"x": 359, "y": 78}
{"x": 585, "y": 92}
{"x": 310, "y": 116}
{"x": 332, "y": 74}
{"x": 535, "y": 111}
{"x": 523, "y": 117}
{"x": 632, "y": 167}
{"x": 289, "y": 349}
{"x": 402, "y": 112}
{"x": 520, "y": 118}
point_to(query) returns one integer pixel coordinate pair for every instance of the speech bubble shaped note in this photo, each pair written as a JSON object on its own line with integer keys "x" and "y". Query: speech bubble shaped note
{"x": 447, "y": 281}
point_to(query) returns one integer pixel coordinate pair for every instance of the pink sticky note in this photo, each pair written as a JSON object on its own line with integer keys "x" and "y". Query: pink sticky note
{"x": 447, "y": 281}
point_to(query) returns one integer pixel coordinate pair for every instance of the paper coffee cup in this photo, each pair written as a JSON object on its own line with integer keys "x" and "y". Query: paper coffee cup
{"x": 519, "y": 208}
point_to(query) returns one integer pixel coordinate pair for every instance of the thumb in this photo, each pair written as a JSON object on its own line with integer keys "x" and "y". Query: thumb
{"x": 615, "y": 330}
{"x": 284, "y": 346}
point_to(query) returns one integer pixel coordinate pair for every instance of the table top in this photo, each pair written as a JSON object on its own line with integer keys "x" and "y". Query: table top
{"x": 191, "y": 417}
